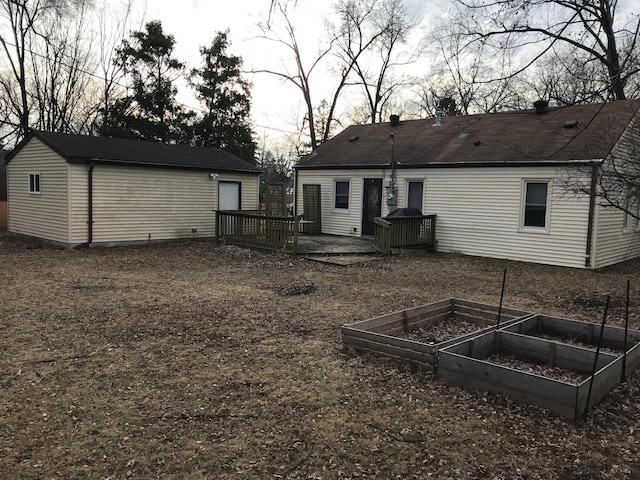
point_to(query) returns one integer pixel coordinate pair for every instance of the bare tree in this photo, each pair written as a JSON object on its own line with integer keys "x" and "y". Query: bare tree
{"x": 45, "y": 45}
{"x": 390, "y": 26}
{"x": 461, "y": 72}
{"x": 300, "y": 77}
{"x": 537, "y": 26}
{"x": 567, "y": 79}
{"x": 61, "y": 64}
{"x": 19, "y": 20}
{"x": 115, "y": 21}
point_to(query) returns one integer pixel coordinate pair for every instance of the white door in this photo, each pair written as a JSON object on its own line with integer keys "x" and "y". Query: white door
{"x": 228, "y": 195}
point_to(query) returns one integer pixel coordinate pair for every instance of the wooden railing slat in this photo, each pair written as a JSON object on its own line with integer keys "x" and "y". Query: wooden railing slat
{"x": 394, "y": 232}
{"x": 255, "y": 229}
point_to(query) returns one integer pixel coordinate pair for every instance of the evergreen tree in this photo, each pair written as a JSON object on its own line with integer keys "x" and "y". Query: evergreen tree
{"x": 150, "y": 111}
{"x": 219, "y": 85}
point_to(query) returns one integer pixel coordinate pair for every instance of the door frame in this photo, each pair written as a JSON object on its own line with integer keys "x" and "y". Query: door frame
{"x": 377, "y": 181}
{"x": 239, "y": 191}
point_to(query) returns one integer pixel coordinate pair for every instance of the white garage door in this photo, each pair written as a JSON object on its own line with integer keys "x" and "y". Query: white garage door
{"x": 228, "y": 195}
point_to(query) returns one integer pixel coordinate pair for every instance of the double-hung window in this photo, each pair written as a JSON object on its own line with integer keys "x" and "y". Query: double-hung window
{"x": 34, "y": 183}
{"x": 631, "y": 214}
{"x": 535, "y": 208}
{"x": 414, "y": 194}
{"x": 341, "y": 194}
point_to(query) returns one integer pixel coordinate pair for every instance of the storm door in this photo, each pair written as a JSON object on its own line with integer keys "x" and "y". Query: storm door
{"x": 372, "y": 204}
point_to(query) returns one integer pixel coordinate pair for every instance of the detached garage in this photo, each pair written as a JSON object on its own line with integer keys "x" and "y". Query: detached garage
{"x": 79, "y": 190}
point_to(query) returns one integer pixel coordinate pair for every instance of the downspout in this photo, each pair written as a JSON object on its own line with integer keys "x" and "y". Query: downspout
{"x": 295, "y": 192}
{"x": 90, "y": 204}
{"x": 592, "y": 209}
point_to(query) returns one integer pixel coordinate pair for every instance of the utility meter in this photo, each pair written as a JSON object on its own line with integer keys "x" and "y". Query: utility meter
{"x": 392, "y": 197}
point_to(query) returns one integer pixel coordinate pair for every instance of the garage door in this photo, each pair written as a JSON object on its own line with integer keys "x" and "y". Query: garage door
{"x": 228, "y": 195}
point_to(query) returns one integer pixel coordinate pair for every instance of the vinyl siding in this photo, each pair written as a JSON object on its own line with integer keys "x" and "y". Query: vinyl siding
{"x": 78, "y": 204}
{"x": 133, "y": 204}
{"x": 43, "y": 215}
{"x": 478, "y": 211}
{"x": 336, "y": 221}
{"x": 614, "y": 244}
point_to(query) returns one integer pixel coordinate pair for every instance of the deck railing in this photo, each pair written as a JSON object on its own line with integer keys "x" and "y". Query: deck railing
{"x": 395, "y": 232}
{"x": 255, "y": 229}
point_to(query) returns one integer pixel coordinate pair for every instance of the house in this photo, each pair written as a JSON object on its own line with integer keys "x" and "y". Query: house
{"x": 499, "y": 183}
{"x": 79, "y": 190}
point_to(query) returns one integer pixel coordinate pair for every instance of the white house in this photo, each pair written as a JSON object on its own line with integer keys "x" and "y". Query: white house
{"x": 80, "y": 190}
{"x": 497, "y": 182}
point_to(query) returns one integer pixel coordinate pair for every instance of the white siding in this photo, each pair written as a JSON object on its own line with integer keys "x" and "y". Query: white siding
{"x": 43, "y": 215}
{"x": 78, "y": 204}
{"x": 478, "y": 211}
{"x": 137, "y": 203}
{"x": 614, "y": 244}
{"x": 340, "y": 221}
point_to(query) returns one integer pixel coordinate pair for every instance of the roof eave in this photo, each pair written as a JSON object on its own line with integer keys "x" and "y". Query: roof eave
{"x": 133, "y": 163}
{"x": 400, "y": 165}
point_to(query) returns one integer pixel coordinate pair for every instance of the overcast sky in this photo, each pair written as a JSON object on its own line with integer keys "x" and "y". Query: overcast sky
{"x": 275, "y": 105}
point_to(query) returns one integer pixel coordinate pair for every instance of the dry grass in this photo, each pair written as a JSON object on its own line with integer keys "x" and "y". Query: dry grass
{"x": 194, "y": 361}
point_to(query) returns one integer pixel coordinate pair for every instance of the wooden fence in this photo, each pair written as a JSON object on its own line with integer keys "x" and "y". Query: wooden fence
{"x": 395, "y": 232}
{"x": 258, "y": 230}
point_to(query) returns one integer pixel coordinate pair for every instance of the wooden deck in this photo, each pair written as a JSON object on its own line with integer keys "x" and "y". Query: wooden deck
{"x": 335, "y": 245}
{"x": 283, "y": 233}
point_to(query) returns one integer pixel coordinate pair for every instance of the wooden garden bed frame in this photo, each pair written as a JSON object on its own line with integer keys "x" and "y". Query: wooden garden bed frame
{"x": 465, "y": 364}
{"x": 378, "y": 334}
{"x": 564, "y": 330}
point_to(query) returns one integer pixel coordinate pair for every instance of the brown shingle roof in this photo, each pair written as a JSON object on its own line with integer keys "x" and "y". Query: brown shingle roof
{"x": 81, "y": 149}
{"x": 522, "y": 137}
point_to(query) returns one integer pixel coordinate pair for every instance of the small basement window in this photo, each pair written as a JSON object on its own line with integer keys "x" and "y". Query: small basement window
{"x": 34, "y": 183}
{"x": 341, "y": 194}
{"x": 535, "y": 204}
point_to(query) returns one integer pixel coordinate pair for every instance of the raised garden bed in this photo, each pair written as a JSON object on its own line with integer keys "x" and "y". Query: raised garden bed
{"x": 582, "y": 334}
{"x": 416, "y": 334}
{"x": 484, "y": 363}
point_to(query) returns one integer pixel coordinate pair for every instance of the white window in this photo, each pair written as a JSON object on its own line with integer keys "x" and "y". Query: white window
{"x": 341, "y": 197}
{"x": 535, "y": 207}
{"x": 631, "y": 221}
{"x": 34, "y": 183}
{"x": 414, "y": 194}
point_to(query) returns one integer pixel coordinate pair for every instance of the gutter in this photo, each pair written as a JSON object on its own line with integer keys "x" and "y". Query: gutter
{"x": 399, "y": 165}
{"x": 590, "y": 221}
{"x": 90, "y": 204}
{"x": 295, "y": 193}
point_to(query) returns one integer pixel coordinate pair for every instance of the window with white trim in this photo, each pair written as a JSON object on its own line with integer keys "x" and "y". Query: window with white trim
{"x": 415, "y": 190}
{"x": 34, "y": 183}
{"x": 631, "y": 214}
{"x": 341, "y": 198}
{"x": 535, "y": 204}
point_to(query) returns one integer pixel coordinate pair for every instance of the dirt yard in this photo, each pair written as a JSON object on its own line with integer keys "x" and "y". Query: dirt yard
{"x": 194, "y": 361}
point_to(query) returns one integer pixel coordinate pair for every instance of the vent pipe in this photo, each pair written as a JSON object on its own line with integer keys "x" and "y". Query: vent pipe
{"x": 438, "y": 119}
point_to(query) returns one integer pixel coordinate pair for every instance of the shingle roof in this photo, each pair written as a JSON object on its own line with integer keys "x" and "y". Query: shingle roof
{"x": 560, "y": 135}
{"x": 81, "y": 149}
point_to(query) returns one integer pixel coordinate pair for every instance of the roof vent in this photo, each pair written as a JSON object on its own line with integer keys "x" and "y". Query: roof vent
{"x": 395, "y": 120}
{"x": 353, "y": 139}
{"x": 438, "y": 119}
{"x": 571, "y": 124}
{"x": 540, "y": 106}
